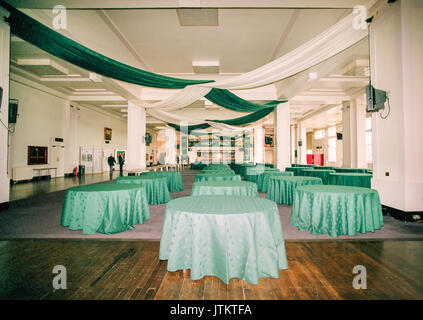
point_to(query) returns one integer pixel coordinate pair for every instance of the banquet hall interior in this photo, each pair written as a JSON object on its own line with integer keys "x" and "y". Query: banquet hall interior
{"x": 211, "y": 150}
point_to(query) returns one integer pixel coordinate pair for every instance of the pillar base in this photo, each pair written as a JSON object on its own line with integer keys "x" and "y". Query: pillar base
{"x": 407, "y": 216}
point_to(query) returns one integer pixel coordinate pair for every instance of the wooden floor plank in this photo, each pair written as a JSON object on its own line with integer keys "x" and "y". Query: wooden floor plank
{"x": 109, "y": 269}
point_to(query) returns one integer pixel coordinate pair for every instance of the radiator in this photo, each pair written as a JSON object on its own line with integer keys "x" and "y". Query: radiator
{"x": 22, "y": 173}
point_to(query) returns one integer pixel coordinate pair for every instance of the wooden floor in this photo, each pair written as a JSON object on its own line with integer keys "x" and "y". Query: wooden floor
{"x": 24, "y": 190}
{"x": 131, "y": 270}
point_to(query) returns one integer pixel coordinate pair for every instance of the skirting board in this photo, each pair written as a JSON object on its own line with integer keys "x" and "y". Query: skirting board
{"x": 409, "y": 216}
{"x": 4, "y": 206}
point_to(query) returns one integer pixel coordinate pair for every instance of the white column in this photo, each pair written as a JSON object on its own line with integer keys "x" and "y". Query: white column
{"x": 170, "y": 146}
{"x": 396, "y": 58}
{"x": 354, "y": 133}
{"x": 135, "y": 158}
{"x": 281, "y": 120}
{"x": 4, "y": 110}
{"x": 301, "y": 143}
{"x": 293, "y": 144}
{"x": 349, "y": 136}
{"x": 71, "y": 139}
{"x": 361, "y": 131}
{"x": 258, "y": 145}
{"x": 183, "y": 159}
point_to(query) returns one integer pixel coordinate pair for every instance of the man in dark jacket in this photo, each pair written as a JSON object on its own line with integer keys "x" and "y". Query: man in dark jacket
{"x": 121, "y": 162}
{"x": 111, "y": 161}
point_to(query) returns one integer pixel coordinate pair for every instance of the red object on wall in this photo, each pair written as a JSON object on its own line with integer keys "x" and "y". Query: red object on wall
{"x": 319, "y": 159}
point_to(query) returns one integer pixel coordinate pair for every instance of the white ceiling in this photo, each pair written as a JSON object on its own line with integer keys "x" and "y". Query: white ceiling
{"x": 148, "y": 35}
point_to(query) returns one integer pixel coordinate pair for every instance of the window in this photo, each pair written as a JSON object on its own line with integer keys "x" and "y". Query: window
{"x": 319, "y": 134}
{"x": 331, "y": 131}
{"x": 369, "y": 158}
{"x": 37, "y": 155}
{"x": 332, "y": 149}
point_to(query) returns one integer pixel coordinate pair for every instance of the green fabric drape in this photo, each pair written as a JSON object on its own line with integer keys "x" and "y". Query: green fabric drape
{"x": 190, "y": 128}
{"x": 64, "y": 48}
{"x": 228, "y": 100}
{"x": 252, "y": 117}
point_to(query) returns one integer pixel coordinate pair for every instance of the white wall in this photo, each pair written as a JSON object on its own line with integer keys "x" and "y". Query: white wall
{"x": 44, "y": 116}
{"x": 397, "y": 67}
{"x": 4, "y": 83}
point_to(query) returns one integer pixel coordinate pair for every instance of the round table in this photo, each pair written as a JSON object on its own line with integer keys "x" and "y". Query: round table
{"x": 297, "y": 170}
{"x": 350, "y": 179}
{"x": 263, "y": 180}
{"x": 104, "y": 208}
{"x": 336, "y": 210}
{"x": 197, "y": 166}
{"x": 174, "y": 179}
{"x": 322, "y": 174}
{"x": 353, "y": 170}
{"x": 303, "y": 165}
{"x": 222, "y": 170}
{"x": 217, "y": 177}
{"x": 223, "y": 236}
{"x": 324, "y": 168}
{"x": 156, "y": 188}
{"x": 281, "y": 189}
{"x": 224, "y": 188}
{"x": 252, "y": 174}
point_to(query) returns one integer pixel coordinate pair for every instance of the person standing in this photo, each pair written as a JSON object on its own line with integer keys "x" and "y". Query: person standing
{"x": 121, "y": 162}
{"x": 111, "y": 161}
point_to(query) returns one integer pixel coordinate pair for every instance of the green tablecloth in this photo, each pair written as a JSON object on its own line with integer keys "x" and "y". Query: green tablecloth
{"x": 263, "y": 180}
{"x": 174, "y": 179}
{"x": 282, "y": 189}
{"x": 217, "y": 177}
{"x": 238, "y": 167}
{"x": 302, "y": 165}
{"x": 252, "y": 173}
{"x": 223, "y": 236}
{"x": 353, "y": 170}
{"x": 221, "y": 170}
{"x": 155, "y": 187}
{"x": 105, "y": 208}
{"x": 322, "y": 174}
{"x": 224, "y": 188}
{"x": 324, "y": 168}
{"x": 350, "y": 179}
{"x": 297, "y": 170}
{"x": 336, "y": 210}
{"x": 197, "y": 166}
{"x": 244, "y": 167}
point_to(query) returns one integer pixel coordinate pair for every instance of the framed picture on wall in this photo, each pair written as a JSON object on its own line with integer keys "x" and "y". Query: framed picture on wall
{"x": 268, "y": 140}
{"x": 107, "y": 134}
{"x": 120, "y": 153}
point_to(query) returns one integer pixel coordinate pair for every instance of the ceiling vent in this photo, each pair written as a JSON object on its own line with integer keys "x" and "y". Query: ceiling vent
{"x": 196, "y": 17}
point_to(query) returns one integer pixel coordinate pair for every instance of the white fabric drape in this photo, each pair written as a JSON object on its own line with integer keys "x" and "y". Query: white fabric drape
{"x": 179, "y": 100}
{"x": 337, "y": 38}
{"x": 327, "y": 44}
